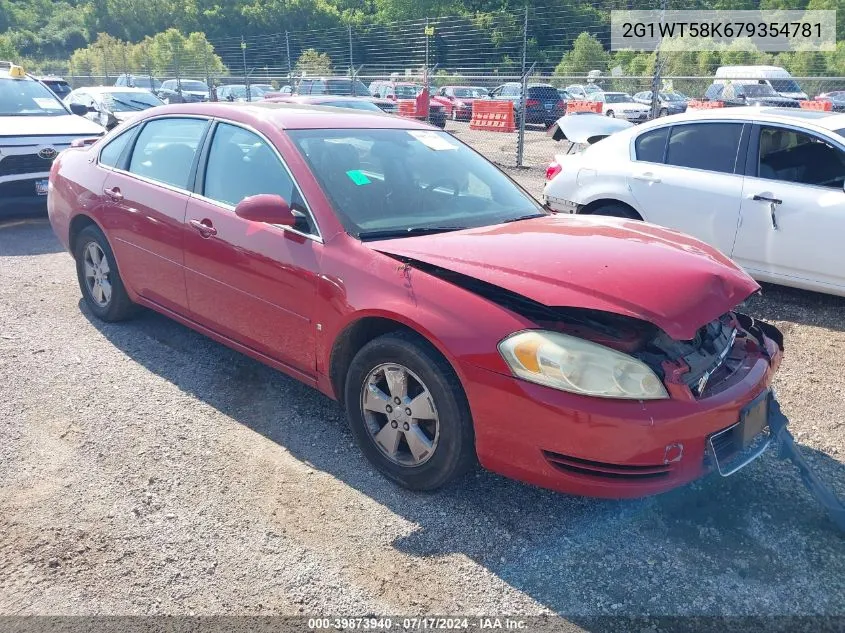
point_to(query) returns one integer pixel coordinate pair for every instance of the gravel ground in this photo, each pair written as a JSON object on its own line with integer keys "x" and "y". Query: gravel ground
{"x": 145, "y": 469}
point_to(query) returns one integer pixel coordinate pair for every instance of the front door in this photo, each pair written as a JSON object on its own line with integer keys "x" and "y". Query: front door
{"x": 793, "y": 210}
{"x": 252, "y": 282}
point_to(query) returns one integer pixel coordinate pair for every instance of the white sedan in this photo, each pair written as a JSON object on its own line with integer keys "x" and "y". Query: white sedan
{"x": 621, "y": 105}
{"x": 763, "y": 185}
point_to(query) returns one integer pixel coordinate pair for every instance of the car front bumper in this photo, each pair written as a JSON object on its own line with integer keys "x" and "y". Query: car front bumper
{"x": 633, "y": 116}
{"x": 608, "y": 448}
{"x": 19, "y": 198}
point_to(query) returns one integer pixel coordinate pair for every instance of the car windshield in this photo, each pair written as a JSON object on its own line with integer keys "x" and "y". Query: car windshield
{"x": 756, "y": 90}
{"x": 60, "y": 88}
{"x": 239, "y": 92}
{"x": 471, "y": 93}
{"x": 592, "y": 88}
{"x": 347, "y": 87}
{"x": 387, "y": 183}
{"x": 146, "y": 82}
{"x": 193, "y": 86}
{"x": 130, "y": 101}
{"x": 407, "y": 91}
{"x": 668, "y": 96}
{"x": 23, "y": 97}
{"x": 617, "y": 97}
{"x": 785, "y": 85}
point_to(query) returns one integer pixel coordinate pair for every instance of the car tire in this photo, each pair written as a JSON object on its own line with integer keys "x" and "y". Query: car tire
{"x": 663, "y": 112}
{"x": 616, "y": 211}
{"x": 442, "y": 435}
{"x": 454, "y": 114}
{"x": 108, "y": 301}
{"x": 610, "y": 114}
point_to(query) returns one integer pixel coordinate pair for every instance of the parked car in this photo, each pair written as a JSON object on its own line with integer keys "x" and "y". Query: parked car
{"x": 36, "y": 127}
{"x": 332, "y": 86}
{"x": 396, "y": 91}
{"x": 111, "y": 106}
{"x": 457, "y": 100}
{"x": 57, "y": 85}
{"x": 670, "y": 102}
{"x": 397, "y": 270}
{"x": 740, "y": 94}
{"x": 370, "y": 104}
{"x": 763, "y": 185}
{"x": 582, "y": 91}
{"x": 836, "y": 99}
{"x": 565, "y": 95}
{"x": 543, "y": 104}
{"x": 238, "y": 92}
{"x": 183, "y": 91}
{"x": 777, "y": 78}
{"x": 621, "y": 105}
{"x": 138, "y": 81}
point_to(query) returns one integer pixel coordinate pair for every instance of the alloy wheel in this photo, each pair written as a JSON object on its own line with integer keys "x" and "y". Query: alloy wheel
{"x": 400, "y": 414}
{"x": 97, "y": 274}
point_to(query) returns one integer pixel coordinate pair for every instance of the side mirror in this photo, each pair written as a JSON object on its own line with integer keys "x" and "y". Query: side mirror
{"x": 78, "y": 109}
{"x": 266, "y": 207}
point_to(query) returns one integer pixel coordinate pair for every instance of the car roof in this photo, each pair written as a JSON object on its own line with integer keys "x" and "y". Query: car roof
{"x": 105, "y": 89}
{"x": 808, "y": 118}
{"x": 291, "y": 116}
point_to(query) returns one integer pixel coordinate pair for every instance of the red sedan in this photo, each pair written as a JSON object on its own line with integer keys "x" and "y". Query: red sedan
{"x": 396, "y": 270}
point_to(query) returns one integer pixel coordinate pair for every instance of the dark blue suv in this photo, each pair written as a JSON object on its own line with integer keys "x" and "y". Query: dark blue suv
{"x": 543, "y": 104}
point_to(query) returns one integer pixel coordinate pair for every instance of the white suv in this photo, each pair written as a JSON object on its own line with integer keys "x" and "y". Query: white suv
{"x": 763, "y": 185}
{"x": 34, "y": 127}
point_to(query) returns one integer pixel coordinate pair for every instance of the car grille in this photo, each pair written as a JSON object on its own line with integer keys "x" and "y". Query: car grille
{"x": 578, "y": 466}
{"x": 17, "y": 164}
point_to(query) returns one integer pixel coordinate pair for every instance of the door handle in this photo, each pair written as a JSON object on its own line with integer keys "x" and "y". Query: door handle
{"x": 114, "y": 194}
{"x": 205, "y": 227}
{"x": 773, "y": 205}
{"x": 647, "y": 177}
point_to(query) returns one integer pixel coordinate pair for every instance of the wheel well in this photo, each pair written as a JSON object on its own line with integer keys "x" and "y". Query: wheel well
{"x": 590, "y": 208}
{"x": 352, "y": 339}
{"x": 76, "y": 225}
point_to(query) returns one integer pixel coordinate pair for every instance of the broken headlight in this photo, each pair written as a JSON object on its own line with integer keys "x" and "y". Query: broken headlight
{"x": 579, "y": 366}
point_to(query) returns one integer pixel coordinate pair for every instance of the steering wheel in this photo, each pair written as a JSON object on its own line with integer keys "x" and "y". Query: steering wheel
{"x": 448, "y": 182}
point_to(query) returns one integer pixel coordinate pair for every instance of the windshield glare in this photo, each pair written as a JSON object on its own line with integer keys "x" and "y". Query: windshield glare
{"x": 382, "y": 181}
{"x": 617, "y": 97}
{"x": 21, "y": 97}
{"x": 130, "y": 101}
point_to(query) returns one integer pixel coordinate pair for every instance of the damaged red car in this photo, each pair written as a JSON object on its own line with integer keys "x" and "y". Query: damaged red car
{"x": 396, "y": 270}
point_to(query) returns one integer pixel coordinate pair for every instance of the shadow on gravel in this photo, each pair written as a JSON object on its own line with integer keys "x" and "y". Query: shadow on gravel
{"x": 27, "y": 237}
{"x": 781, "y": 303}
{"x": 755, "y": 543}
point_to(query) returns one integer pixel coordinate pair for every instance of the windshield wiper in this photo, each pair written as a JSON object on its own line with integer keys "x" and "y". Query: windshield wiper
{"x": 416, "y": 230}
{"x": 524, "y": 217}
{"x": 127, "y": 104}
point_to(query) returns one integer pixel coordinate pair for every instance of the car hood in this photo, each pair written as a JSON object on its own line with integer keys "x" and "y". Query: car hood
{"x": 622, "y": 266}
{"x": 62, "y": 125}
{"x": 586, "y": 127}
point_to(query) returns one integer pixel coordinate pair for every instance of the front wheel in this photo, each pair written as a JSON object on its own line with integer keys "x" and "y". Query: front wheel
{"x": 616, "y": 211}
{"x": 663, "y": 112}
{"x": 611, "y": 114}
{"x": 98, "y": 276}
{"x": 408, "y": 412}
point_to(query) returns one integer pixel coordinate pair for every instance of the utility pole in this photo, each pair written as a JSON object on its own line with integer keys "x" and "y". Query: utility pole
{"x": 520, "y": 139}
{"x": 658, "y": 62}
{"x": 428, "y": 32}
{"x": 246, "y": 76}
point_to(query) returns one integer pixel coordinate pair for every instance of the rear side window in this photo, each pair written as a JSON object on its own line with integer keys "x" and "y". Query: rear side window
{"x": 651, "y": 146}
{"x": 165, "y": 150}
{"x": 546, "y": 93}
{"x": 110, "y": 154}
{"x": 708, "y": 146}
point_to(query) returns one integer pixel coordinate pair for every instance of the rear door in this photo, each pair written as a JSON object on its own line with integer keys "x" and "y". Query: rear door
{"x": 252, "y": 282}
{"x": 689, "y": 177}
{"x": 793, "y": 209}
{"x": 147, "y": 193}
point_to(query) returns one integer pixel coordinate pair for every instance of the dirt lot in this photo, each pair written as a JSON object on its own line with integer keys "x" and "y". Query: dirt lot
{"x": 145, "y": 469}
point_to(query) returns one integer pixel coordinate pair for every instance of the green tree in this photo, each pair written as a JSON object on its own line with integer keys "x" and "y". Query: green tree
{"x": 7, "y": 49}
{"x": 312, "y": 62}
{"x": 587, "y": 54}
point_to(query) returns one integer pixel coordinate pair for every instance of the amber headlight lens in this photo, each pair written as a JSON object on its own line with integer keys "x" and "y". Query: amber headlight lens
{"x": 578, "y": 366}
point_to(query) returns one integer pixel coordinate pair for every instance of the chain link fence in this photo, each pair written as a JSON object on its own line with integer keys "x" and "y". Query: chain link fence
{"x": 560, "y": 48}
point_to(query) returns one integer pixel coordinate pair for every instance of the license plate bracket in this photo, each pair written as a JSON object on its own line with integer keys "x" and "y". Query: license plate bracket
{"x": 740, "y": 444}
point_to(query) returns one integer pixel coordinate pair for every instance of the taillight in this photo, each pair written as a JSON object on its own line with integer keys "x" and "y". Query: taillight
{"x": 532, "y": 103}
{"x": 553, "y": 170}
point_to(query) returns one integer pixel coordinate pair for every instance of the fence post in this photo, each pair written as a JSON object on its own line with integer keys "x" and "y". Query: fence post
{"x": 351, "y": 65}
{"x": 246, "y": 76}
{"x": 425, "y": 74}
{"x": 520, "y": 138}
{"x": 290, "y": 68}
{"x": 655, "y": 79}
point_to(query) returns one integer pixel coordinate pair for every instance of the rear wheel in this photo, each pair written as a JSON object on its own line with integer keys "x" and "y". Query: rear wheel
{"x": 616, "y": 211}
{"x": 99, "y": 279}
{"x": 663, "y": 112}
{"x": 408, "y": 412}
{"x": 611, "y": 114}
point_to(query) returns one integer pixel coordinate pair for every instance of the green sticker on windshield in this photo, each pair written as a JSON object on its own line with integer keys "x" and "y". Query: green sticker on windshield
{"x": 358, "y": 177}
